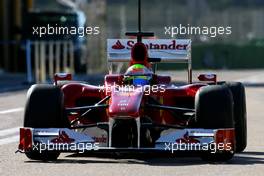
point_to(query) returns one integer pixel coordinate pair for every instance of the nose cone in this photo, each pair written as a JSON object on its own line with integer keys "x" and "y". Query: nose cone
{"x": 125, "y": 103}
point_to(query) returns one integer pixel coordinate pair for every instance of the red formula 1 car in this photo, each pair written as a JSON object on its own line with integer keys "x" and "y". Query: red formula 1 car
{"x": 138, "y": 111}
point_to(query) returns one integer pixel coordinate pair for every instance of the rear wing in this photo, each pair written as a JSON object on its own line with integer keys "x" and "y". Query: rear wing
{"x": 166, "y": 50}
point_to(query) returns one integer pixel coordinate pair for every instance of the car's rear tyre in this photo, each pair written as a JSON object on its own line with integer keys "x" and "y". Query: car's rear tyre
{"x": 240, "y": 115}
{"x": 44, "y": 109}
{"x": 214, "y": 110}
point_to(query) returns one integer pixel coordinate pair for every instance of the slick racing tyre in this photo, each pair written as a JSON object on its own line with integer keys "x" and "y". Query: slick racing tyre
{"x": 214, "y": 110}
{"x": 240, "y": 115}
{"x": 44, "y": 109}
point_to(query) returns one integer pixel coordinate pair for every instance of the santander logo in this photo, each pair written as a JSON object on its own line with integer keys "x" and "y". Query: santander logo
{"x": 186, "y": 139}
{"x": 152, "y": 45}
{"x": 62, "y": 138}
{"x": 118, "y": 45}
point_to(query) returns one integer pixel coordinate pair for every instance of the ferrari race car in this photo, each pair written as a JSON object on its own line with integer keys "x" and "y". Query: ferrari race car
{"x": 137, "y": 111}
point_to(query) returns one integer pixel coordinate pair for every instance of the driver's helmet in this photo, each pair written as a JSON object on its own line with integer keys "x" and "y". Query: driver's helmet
{"x": 138, "y": 75}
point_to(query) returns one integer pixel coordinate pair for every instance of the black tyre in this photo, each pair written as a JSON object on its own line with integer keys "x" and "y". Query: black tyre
{"x": 214, "y": 110}
{"x": 240, "y": 115}
{"x": 44, "y": 109}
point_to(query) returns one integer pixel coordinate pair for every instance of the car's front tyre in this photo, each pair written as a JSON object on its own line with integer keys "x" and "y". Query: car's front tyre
{"x": 44, "y": 109}
{"x": 214, "y": 110}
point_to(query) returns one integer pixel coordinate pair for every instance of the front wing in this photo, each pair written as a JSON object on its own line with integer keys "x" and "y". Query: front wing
{"x": 171, "y": 140}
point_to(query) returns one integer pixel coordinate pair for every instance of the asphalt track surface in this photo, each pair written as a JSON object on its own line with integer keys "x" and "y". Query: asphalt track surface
{"x": 250, "y": 162}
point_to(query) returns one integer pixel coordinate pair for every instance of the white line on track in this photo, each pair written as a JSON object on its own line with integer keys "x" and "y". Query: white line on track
{"x": 10, "y": 135}
{"x": 11, "y": 110}
{"x": 9, "y": 131}
{"x": 9, "y": 140}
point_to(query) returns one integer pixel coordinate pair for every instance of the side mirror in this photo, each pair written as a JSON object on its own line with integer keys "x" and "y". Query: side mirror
{"x": 62, "y": 77}
{"x": 210, "y": 78}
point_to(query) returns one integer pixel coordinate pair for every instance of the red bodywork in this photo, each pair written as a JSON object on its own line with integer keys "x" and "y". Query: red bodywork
{"x": 76, "y": 94}
{"x": 128, "y": 104}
